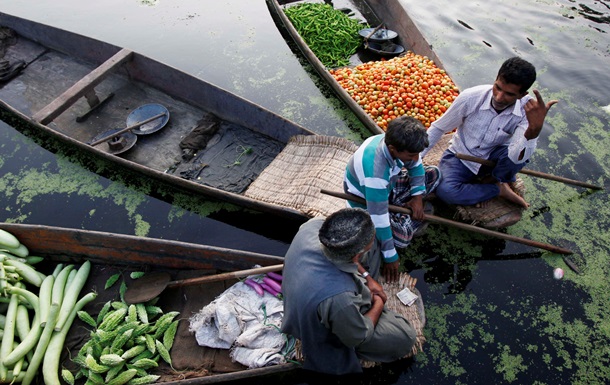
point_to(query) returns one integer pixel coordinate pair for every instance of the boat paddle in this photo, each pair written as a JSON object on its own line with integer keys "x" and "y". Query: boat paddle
{"x": 122, "y": 131}
{"x": 490, "y": 163}
{"x": 153, "y": 284}
{"x": 464, "y": 226}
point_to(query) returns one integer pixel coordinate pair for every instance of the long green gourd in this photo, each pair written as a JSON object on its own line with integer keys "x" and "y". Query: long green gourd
{"x": 71, "y": 294}
{"x": 50, "y": 363}
{"x": 33, "y": 336}
{"x": 44, "y": 298}
{"x": 9, "y": 335}
{"x": 8, "y": 240}
{"x": 41, "y": 348}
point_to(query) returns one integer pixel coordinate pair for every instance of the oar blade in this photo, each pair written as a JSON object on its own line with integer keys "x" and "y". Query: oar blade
{"x": 147, "y": 287}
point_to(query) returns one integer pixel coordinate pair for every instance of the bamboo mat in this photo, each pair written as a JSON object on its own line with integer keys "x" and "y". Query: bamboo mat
{"x": 307, "y": 164}
{"x": 310, "y": 163}
{"x": 415, "y": 313}
{"x": 498, "y": 213}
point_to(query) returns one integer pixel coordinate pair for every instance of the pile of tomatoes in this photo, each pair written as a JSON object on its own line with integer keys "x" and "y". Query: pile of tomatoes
{"x": 406, "y": 85}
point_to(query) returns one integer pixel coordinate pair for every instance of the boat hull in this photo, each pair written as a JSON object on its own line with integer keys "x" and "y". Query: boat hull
{"x": 110, "y": 252}
{"x": 75, "y": 88}
{"x": 375, "y": 12}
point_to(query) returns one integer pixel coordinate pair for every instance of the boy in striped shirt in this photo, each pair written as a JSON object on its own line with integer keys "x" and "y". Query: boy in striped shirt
{"x": 387, "y": 169}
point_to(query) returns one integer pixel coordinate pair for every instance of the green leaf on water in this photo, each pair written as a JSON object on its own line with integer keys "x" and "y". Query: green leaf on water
{"x": 112, "y": 280}
{"x": 122, "y": 290}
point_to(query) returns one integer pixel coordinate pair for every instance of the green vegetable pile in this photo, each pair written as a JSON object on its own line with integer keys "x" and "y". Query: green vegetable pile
{"x": 329, "y": 33}
{"x": 125, "y": 344}
{"x": 37, "y": 311}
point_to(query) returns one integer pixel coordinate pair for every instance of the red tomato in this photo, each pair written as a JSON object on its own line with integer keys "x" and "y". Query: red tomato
{"x": 406, "y": 85}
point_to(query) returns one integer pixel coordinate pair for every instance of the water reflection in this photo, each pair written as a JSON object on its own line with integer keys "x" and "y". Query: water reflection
{"x": 600, "y": 17}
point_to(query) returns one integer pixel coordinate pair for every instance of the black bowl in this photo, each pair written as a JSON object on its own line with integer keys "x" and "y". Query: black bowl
{"x": 386, "y": 49}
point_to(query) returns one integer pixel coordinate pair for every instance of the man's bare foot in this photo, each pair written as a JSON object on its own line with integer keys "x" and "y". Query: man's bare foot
{"x": 507, "y": 193}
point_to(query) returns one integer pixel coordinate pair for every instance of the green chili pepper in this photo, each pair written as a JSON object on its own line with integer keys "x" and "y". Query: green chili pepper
{"x": 330, "y": 34}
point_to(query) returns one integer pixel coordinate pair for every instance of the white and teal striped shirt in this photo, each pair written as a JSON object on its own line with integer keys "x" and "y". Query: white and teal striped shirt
{"x": 371, "y": 174}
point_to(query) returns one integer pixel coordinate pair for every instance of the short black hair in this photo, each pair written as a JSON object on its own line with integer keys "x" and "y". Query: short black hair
{"x": 406, "y": 133}
{"x": 519, "y": 72}
{"x": 346, "y": 233}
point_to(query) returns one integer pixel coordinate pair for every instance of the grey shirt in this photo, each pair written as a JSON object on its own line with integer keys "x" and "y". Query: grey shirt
{"x": 344, "y": 315}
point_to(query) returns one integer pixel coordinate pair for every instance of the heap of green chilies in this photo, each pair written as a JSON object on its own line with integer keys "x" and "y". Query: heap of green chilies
{"x": 329, "y": 33}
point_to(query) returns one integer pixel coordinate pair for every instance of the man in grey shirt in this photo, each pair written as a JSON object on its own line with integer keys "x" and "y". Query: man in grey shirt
{"x": 332, "y": 304}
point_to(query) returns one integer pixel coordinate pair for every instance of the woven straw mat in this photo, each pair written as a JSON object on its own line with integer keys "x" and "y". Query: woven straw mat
{"x": 307, "y": 164}
{"x": 415, "y": 314}
{"x": 498, "y": 213}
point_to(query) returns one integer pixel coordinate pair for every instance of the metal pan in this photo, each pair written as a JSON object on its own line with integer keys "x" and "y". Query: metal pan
{"x": 385, "y": 49}
{"x": 118, "y": 144}
{"x": 147, "y": 111}
{"x": 379, "y": 35}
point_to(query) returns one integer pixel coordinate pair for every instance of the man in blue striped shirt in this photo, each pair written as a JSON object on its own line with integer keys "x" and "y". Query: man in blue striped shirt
{"x": 498, "y": 122}
{"x": 387, "y": 169}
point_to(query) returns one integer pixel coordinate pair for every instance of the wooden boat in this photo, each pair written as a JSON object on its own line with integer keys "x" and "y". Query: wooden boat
{"x": 79, "y": 90}
{"x": 391, "y": 14}
{"x": 111, "y": 253}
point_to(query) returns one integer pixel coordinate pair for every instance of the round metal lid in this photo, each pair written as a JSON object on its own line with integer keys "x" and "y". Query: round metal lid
{"x": 380, "y": 35}
{"x": 148, "y": 111}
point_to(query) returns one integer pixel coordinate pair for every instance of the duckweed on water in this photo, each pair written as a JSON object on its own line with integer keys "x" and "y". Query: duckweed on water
{"x": 509, "y": 365}
{"x": 67, "y": 175}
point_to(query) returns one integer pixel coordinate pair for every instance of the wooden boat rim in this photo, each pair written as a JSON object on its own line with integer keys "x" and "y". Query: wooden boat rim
{"x": 126, "y": 238}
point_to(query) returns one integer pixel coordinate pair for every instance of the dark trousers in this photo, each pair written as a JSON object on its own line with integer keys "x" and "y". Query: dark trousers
{"x": 460, "y": 186}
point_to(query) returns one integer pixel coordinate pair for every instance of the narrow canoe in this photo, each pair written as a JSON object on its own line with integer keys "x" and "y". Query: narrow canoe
{"x": 390, "y": 13}
{"x": 78, "y": 90}
{"x": 110, "y": 253}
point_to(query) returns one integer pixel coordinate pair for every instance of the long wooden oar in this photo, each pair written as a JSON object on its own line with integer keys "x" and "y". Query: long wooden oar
{"x": 151, "y": 285}
{"x": 123, "y": 130}
{"x": 464, "y": 226}
{"x": 539, "y": 174}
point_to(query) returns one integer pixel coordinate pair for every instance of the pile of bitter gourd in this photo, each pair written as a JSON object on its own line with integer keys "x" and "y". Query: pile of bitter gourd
{"x": 127, "y": 341}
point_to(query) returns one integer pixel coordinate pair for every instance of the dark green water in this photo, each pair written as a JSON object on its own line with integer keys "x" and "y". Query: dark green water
{"x": 494, "y": 312}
